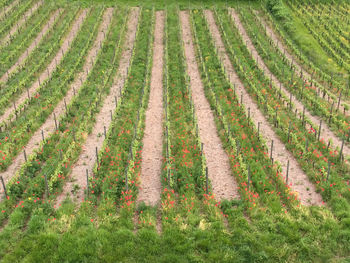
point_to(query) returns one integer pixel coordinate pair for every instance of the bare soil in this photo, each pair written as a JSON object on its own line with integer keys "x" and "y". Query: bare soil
{"x": 32, "y": 46}
{"x": 299, "y": 181}
{"x": 87, "y": 158}
{"x": 223, "y": 184}
{"x": 326, "y": 133}
{"x": 150, "y": 185}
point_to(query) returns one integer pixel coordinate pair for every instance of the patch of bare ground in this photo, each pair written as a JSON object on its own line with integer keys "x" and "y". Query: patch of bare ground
{"x": 49, "y": 126}
{"x": 87, "y": 158}
{"x": 279, "y": 44}
{"x": 326, "y": 133}
{"x": 51, "y": 67}
{"x": 219, "y": 171}
{"x": 299, "y": 181}
{"x": 150, "y": 185}
{"x": 32, "y": 46}
{"x": 20, "y": 22}
{"x": 6, "y": 9}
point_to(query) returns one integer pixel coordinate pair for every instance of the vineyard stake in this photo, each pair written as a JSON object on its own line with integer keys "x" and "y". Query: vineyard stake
{"x": 42, "y": 135}
{"x": 104, "y": 130}
{"x": 259, "y": 130}
{"x": 25, "y": 155}
{"x": 329, "y": 170}
{"x": 271, "y": 149}
{"x": 248, "y": 176}
{"x": 306, "y": 145}
{"x": 341, "y": 149}
{"x": 96, "y": 155}
{"x": 54, "y": 117}
{"x": 248, "y": 115}
{"x": 206, "y": 179}
{"x": 287, "y": 172}
{"x": 87, "y": 183}
{"x": 319, "y": 130}
{"x": 3, "y": 186}
{"x": 47, "y": 193}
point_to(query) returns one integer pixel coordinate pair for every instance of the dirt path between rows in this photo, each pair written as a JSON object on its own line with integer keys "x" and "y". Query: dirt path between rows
{"x": 6, "y": 9}
{"x": 51, "y": 67}
{"x": 152, "y": 157}
{"x": 326, "y": 133}
{"x": 20, "y": 22}
{"x": 32, "y": 46}
{"x": 306, "y": 76}
{"x": 49, "y": 126}
{"x": 87, "y": 158}
{"x": 299, "y": 181}
{"x": 223, "y": 184}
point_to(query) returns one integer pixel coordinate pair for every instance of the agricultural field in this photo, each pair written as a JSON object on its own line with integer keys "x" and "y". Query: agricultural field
{"x": 163, "y": 131}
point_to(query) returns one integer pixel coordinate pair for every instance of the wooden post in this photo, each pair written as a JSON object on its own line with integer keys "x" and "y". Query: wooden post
{"x": 96, "y": 155}
{"x": 287, "y": 172}
{"x": 87, "y": 183}
{"x": 47, "y": 187}
{"x": 259, "y": 130}
{"x": 341, "y": 149}
{"x": 54, "y": 117}
{"x": 25, "y": 155}
{"x": 271, "y": 149}
{"x": 206, "y": 180}
{"x": 105, "y": 132}
{"x": 329, "y": 170}
{"x": 248, "y": 177}
{"x": 42, "y": 135}
{"x": 339, "y": 100}
{"x": 319, "y": 130}
{"x": 3, "y": 186}
{"x": 248, "y": 115}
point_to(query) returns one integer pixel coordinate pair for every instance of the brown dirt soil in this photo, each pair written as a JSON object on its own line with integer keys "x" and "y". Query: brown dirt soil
{"x": 87, "y": 158}
{"x": 326, "y": 133}
{"x": 150, "y": 185}
{"x": 49, "y": 125}
{"x": 51, "y": 67}
{"x": 20, "y": 22}
{"x": 32, "y": 46}
{"x": 299, "y": 181}
{"x": 219, "y": 171}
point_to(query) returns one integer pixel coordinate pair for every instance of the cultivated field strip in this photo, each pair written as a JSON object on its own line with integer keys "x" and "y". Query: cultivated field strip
{"x": 60, "y": 149}
{"x": 7, "y": 9}
{"x": 326, "y": 133}
{"x": 219, "y": 172}
{"x": 10, "y": 53}
{"x": 25, "y": 75}
{"x": 32, "y": 46}
{"x": 306, "y": 76}
{"x": 9, "y": 113}
{"x": 310, "y": 93}
{"x": 150, "y": 185}
{"x": 118, "y": 168}
{"x": 298, "y": 179}
{"x": 20, "y": 23}
{"x": 50, "y": 124}
{"x": 14, "y": 16}
{"x": 87, "y": 157}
